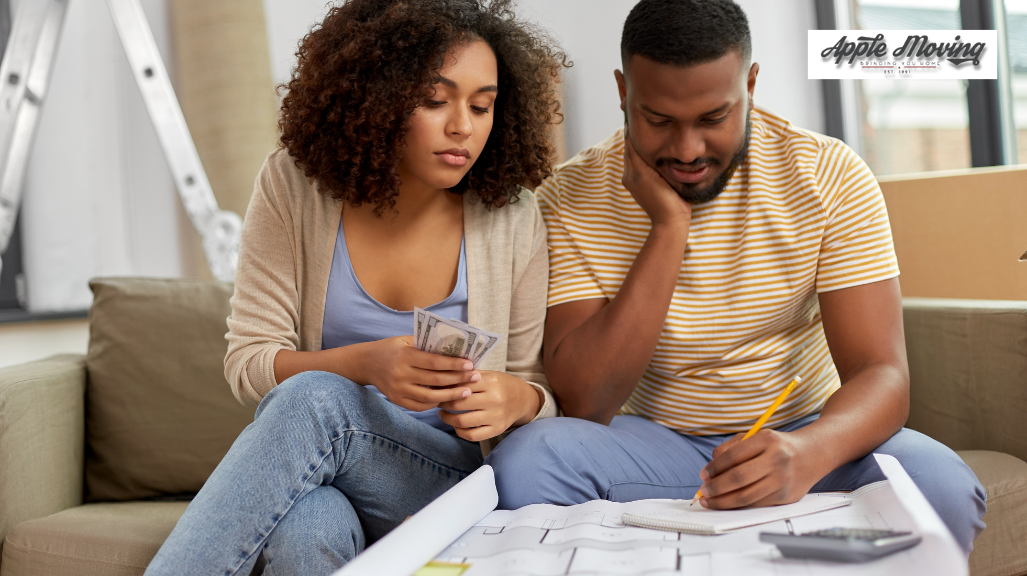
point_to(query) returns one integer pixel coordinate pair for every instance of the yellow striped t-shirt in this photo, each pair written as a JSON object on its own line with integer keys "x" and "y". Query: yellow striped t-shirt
{"x": 802, "y": 215}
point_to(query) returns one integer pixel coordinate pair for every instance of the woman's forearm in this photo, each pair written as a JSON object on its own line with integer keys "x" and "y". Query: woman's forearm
{"x": 532, "y": 403}
{"x": 346, "y": 361}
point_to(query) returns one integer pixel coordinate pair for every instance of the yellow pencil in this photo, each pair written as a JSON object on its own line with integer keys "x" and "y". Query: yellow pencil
{"x": 763, "y": 420}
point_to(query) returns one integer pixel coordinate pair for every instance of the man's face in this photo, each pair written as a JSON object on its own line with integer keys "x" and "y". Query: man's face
{"x": 689, "y": 123}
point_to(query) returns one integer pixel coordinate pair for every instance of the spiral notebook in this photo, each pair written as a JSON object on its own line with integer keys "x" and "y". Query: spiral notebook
{"x": 699, "y": 520}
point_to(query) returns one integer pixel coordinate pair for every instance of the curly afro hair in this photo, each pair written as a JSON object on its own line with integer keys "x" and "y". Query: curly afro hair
{"x": 370, "y": 64}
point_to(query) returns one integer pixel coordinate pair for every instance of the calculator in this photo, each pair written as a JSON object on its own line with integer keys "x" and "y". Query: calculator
{"x": 841, "y": 544}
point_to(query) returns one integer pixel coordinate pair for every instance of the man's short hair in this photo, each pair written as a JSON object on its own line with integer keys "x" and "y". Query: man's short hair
{"x": 685, "y": 32}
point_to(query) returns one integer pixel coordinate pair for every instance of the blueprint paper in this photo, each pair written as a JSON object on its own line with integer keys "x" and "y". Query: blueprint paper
{"x": 940, "y": 548}
{"x": 590, "y": 539}
{"x": 414, "y": 542}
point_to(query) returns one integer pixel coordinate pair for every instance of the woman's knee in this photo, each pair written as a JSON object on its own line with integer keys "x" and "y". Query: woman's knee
{"x": 314, "y": 393}
{"x": 320, "y": 533}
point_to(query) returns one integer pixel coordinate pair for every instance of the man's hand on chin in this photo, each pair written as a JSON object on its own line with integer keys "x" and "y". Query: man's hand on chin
{"x": 661, "y": 202}
{"x": 768, "y": 469}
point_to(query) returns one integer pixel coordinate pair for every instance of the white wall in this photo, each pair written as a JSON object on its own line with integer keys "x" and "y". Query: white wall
{"x": 589, "y": 31}
{"x": 288, "y": 21}
{"x": 37, "y": 340}
{"x": 779, "y": 45}
{"x": 98, "y": 197}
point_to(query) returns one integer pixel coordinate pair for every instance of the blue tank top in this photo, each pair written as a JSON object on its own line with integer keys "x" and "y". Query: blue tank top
{"x": 352, "y": 316}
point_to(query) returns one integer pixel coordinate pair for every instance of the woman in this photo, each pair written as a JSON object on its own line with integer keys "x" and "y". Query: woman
{"x": 408, "y": 130}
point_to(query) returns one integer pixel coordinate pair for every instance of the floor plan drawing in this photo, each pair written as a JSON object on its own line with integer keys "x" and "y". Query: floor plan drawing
{"x": 462, "y": 534}
{"x": 544, "y": 540}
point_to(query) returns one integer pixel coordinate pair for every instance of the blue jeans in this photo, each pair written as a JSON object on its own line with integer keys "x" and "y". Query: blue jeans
{"x": 569, "y": 461}
{"x": 326, "y": 468}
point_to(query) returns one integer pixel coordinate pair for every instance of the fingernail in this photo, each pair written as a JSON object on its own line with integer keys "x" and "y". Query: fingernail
{"x": 475, "y": 377}
{"x": 468, "y": 366}
{"x": 704, "y": 475}
{"x": 465, "y": 394}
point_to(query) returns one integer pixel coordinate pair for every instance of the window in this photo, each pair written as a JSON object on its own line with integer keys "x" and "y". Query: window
{"x": 1016, "y": 32}
{"x": 912, "y": 126}
{"x": 901, "y": 126}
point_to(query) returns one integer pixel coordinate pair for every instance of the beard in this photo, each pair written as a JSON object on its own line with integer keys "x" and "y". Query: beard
{"x": 695, "y": 195}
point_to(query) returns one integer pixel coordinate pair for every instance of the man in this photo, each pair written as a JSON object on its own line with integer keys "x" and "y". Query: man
{"x": 700, "y": 259}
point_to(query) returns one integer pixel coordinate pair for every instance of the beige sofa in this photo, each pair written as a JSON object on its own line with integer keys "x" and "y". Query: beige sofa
{"x": 98, "y": 454}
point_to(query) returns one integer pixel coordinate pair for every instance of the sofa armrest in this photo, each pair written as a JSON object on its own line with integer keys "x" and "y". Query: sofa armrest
{"x": 968, "y": 372}
{"x": 42, "y": 438}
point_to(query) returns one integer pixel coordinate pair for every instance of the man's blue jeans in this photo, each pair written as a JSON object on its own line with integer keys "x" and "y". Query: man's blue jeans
{"x": 569, "y": 461}
{"x": 325, "y": 468}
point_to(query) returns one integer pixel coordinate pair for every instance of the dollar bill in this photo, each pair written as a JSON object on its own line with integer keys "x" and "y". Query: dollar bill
{"x": 451, "y": 337}
{"x": 441, "y": 337}
{"x": 419, "y": 318}
{"x": 483, "y": 345}
{"x": 422, "y": 318}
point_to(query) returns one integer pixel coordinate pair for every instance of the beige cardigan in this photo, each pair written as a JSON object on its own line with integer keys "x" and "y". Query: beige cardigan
{"x": 288, "y": 241}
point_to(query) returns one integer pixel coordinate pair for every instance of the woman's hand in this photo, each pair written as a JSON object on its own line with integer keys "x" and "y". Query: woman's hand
{"x": 414, "y": 379}
{"x": 498, "y": 402}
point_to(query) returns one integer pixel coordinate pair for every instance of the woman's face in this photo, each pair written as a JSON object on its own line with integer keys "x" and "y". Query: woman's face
{"x": 449, "y": 131}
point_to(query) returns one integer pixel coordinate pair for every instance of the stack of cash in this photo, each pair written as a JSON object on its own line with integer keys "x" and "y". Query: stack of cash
{"x": 438, "y": 335}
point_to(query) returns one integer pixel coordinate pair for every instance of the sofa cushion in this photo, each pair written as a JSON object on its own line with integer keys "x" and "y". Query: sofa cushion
{"x": 967, "y": 368}
{"x": 42, "y": 427}
{"x": 105, "y": 539}
{"x": 160, "y": 415}
{"x": 1000, "y": 549}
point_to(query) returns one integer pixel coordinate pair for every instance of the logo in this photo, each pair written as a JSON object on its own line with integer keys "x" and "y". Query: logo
{"x": 916, "y": 54}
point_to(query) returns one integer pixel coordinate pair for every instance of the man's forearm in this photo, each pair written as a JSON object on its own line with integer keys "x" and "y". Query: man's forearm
{"x": 863, "y": 326}
{"x": 596, "y": 366}
{"x": 860, "y": 416}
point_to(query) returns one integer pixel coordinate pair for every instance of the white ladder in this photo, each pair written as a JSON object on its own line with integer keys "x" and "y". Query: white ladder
{"x": 24, "y": 79}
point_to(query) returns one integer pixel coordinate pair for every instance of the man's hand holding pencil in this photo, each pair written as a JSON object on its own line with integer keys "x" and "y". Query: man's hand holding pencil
{"x": 759, "y": 467}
